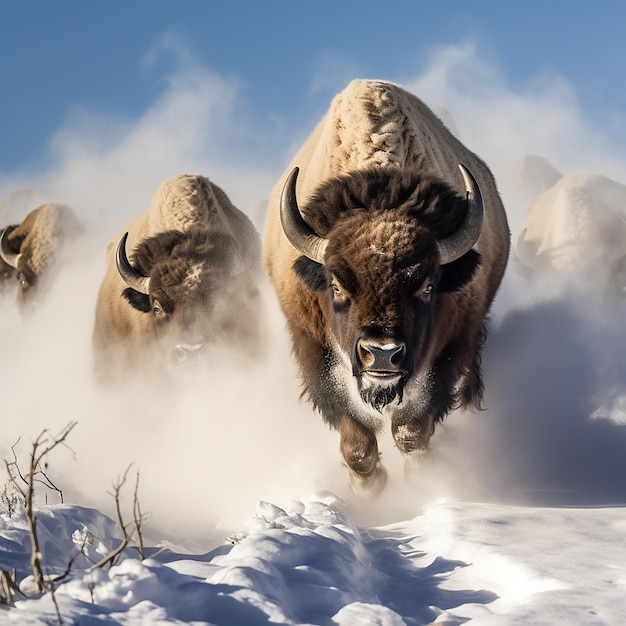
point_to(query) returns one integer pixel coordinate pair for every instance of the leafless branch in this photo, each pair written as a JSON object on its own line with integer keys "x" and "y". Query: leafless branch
{"x": 42, "y": 446}
{"x": 51, "y": 584}
{"x": 65, "y": 574}
{"x": 8, "y": 587}
{"x": 55, "y": 603}
{"x": 14, "y": 466}
{"x": 113, "y": 556}
{"x": 139, "y": 517}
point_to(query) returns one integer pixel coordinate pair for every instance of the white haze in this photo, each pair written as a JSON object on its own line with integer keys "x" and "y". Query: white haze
{"x": 210, "y": 449}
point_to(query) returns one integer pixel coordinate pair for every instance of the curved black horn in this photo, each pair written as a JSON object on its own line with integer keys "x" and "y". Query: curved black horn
{"x": 8, "y": 256}
{"x": 129, "y": 274}
{"x": 300, "y": 234}
{"x": 456, "y": 245}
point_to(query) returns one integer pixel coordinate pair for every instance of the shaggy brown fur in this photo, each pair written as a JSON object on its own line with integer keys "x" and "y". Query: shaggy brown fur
{"x": 384, "y": 334}
{"x": 202, "y": 257}
{"x": 421, "y": 195}
{"x": 39, "y": 240}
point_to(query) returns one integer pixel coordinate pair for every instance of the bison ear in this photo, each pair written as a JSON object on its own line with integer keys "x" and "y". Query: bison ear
{"x": 137, "y": 300}
{"x": 456, "y": 275}
{"x": 313, "y": 275}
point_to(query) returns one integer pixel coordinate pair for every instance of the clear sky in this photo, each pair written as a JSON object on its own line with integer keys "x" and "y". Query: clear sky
{"x": 287, "y": 58}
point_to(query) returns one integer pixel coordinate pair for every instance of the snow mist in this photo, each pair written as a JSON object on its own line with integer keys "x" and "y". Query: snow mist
{"x": 212, "y": 443}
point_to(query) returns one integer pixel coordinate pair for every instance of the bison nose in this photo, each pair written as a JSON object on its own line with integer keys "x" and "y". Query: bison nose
{"x": 185, "y": 351}
{"x": 376, "y": 357}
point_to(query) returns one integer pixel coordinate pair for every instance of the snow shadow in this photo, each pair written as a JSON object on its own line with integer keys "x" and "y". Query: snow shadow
{"x": 311, "y": 566}
{"x": 411, "y": 580}
{"x": 553, "y": 432}
{"x": 318, "y": 574}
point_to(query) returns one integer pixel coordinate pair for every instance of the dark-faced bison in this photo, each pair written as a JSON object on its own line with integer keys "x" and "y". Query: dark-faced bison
{"x": 180, "y": 276}
{"x": 30, "y": 250}
{"x": 386, "y": 241}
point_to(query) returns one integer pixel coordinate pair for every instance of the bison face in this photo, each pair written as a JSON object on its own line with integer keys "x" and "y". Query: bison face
{"x": 380, "y": 271}
{"x": 30, "y": 250}
{"x": 18, "y": 263}
{"x": 193, "y": 288}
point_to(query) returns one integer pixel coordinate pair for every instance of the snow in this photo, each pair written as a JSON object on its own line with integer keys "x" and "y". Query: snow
{"x": 311, "y": 564}
{"x": 515, "y": 517}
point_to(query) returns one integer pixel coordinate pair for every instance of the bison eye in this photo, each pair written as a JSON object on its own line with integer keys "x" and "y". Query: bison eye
{"x": 157, "y": 311}
{"x": 341, "y": 300}
{"x": 425, "y": 292}
{"x": 339, "y": 295}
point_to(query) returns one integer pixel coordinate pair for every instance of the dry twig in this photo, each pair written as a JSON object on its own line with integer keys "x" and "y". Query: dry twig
{"x": 8, "y": 586}
{"x": 127, "y": 533}
{"x": 139, "y": 517}
{"x": 42, "y": 446}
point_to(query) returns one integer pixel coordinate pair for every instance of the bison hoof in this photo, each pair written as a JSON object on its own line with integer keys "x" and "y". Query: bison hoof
{"x": 371, "y": 486}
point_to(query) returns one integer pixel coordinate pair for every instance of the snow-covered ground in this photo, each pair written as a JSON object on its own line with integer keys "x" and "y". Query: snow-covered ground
{"x": 310, "y": 563}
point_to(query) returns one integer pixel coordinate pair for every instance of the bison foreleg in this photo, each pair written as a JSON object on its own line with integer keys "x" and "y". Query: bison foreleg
{"x": 412, "y": 435}
{"x": 359, "y": 448}
{"x": 413, "y": 427}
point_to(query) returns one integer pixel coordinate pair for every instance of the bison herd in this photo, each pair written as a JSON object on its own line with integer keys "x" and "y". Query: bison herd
{"x": 385, "y": 243}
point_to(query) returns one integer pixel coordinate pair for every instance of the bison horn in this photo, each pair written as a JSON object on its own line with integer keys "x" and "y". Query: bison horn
{"x": 129, "y": 274}
{"x": 300, "y": 234}
{"x": 8, "y": 256}
{"x": 456, "y": 245}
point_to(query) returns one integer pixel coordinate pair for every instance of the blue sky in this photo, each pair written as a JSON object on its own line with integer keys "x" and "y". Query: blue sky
{"x": 287, "y": 59}
{"x": 100, "y": 102}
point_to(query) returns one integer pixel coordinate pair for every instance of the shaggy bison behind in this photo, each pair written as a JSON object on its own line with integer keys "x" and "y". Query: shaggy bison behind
{"x": 30, "y": 250}
{"x": 576, "y": 229}
{"x": 386, "y": 241}
{"x": 191, "y": 280}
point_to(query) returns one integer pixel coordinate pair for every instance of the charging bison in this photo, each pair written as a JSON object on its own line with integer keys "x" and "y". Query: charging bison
{"x": 576, "y": 229}
{"x": 191, "y": 279}
{"x": 386, "y": 241}
{"x": 30, "y": 250}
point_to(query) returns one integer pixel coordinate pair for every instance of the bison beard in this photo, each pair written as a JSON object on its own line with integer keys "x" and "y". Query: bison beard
{"x": 379, "y": 395}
